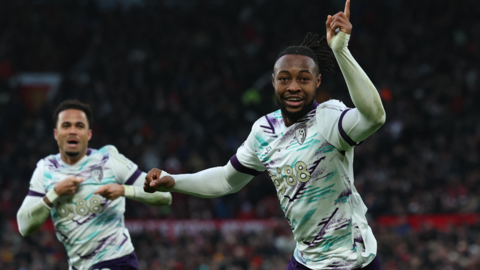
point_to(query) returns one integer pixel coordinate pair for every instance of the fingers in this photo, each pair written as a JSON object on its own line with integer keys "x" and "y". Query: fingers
{"x": 347, "y": 9}
{"x": 155, "y": 183}
{"x": 341, "y": 22}
{"x": 146, "y": 186}
{"x": 340, "y": 16}
{"x": 164, "y": 182}
{"x": 149, "y": 189}
{"x": 100, "y": 190}
{"x": 338, "y": 24}
{"x": 68, "y": 186}
{"x": 329, "y": 20}
{"x": 159, "y": 182}
{"x": 153, "y": 174}
{"x": 105, "y": 192}
{"x": 78, "y": 180}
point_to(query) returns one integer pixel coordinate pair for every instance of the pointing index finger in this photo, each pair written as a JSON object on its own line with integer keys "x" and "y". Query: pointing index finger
{"x": 347, "y": 9}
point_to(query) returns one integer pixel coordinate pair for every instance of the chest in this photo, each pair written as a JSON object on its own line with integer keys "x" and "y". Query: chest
{"x": 95, "y": 172}
{"x": 296, "y": 156}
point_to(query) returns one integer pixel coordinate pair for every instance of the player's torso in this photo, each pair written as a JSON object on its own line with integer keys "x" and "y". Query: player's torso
{"x": 311, "y": 180}
{"x": 88, "y": 225}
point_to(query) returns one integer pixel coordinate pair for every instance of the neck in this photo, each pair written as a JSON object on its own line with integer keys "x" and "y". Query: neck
{"x": 70, "y": 160}
{"x": 291, "y": 118}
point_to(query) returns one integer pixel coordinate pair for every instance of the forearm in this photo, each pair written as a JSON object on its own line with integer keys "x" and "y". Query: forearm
{"x": 364, "y": 95}
{"x": 211, "y": 183}
{"x": 31, "y": 215}
{"x": 153, "y": 199}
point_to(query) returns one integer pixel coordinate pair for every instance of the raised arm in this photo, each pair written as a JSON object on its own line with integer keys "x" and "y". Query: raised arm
{"x": 369, "y": 114}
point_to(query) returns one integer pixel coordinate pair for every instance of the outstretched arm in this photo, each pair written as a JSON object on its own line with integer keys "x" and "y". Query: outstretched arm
{"x": 209, "y": 183}
{"x": 369, "y": 114}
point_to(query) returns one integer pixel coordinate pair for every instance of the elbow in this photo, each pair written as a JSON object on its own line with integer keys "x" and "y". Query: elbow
{"x": 21, "y": 228}
{"x": 24, "y": 231}
{"x": 379, "y": 119}
{"x": 168, "y": 199}
{"x": 165, "y": 198}
{"x": 25, "y": 226}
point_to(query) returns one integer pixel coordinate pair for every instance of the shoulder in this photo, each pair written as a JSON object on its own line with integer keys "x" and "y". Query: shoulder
{"x": 332, "y": 104}
{"x": 107, "y": 150}
{"x": 330, "y": 109}
{"x": 50, "y": 160}
{"x": 268, "y": 123}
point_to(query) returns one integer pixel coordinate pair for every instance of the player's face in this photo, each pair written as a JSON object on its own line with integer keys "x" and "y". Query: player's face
{"x": 295, "y": 80}
{"x": 72, "y": 133}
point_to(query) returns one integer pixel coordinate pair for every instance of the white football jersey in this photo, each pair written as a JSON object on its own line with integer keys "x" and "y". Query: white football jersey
{"x": 91, "y": 227}
{"x": 311, "y": 166}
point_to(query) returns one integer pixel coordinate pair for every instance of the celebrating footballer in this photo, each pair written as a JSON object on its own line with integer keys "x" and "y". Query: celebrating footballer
{"x": 307, "y": 149}
{"x": 84, "y": 191}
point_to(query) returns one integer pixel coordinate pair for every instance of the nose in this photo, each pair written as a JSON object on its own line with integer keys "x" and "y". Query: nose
{"x": 72, "y": 130}
{"x": 293, "y": 86}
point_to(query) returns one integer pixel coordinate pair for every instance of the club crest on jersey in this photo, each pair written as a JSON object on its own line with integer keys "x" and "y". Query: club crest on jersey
{"x": 97, "y": 174}
{"x": 301, "y": 133}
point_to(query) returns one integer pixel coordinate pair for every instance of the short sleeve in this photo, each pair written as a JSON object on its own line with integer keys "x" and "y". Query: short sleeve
{"x": 36, "y": 182}
{"x": 330, "y": 115}
{"x": 124, "y": 170}
{"x": 246, "y": 159}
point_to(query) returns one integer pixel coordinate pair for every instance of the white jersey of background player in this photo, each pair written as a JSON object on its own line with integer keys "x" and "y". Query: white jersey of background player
{"x": 84, "y": 191}
{"x": 307, "y": 150}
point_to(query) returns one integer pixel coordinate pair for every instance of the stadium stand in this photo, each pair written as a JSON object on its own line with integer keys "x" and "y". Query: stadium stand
{"x": 177, "y": 85}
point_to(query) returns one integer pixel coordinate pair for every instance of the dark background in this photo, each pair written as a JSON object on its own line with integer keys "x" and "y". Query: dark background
{"x": 178, "y": 85}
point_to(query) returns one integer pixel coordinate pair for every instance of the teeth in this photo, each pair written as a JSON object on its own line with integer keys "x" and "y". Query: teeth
{"x": 294, "y": 99}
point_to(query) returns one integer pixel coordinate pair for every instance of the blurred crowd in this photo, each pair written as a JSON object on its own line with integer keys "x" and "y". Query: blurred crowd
{"x": 178, "y": 84}
{"x": 399, "y": 248}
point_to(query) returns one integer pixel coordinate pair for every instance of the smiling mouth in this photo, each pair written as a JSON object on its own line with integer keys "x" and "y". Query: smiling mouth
{"x": 293, "y": 101}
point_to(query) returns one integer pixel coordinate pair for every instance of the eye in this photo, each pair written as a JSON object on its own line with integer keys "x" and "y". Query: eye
{"x": 305, "y": 79}
{"x": 283, "y": 79}
{"x": 80, "y": 126}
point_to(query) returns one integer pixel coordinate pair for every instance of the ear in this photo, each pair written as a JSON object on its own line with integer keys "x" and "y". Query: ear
{"x": 89, "y": 134}
{"x": 273, "y": 80}
{"x": 319, "y": 80}
{"x": 55, "y": 133}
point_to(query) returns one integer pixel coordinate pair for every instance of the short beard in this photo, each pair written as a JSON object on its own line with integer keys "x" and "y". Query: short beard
{"x": 297, "y": 115}
{"x": 72, "y": 154}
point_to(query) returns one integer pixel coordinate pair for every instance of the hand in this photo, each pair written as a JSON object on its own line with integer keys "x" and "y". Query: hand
{"x": 341, "y": 20}
{"x": 154, "y": 183}
{"x": 68, "y": 186}
{"x": 111, "y": 191}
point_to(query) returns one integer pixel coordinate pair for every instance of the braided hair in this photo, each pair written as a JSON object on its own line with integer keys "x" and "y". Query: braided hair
{"x": 315, "y": 48}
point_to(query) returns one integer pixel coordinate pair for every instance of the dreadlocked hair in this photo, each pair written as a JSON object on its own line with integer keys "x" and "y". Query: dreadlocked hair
{"x": 315, "y": 48}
